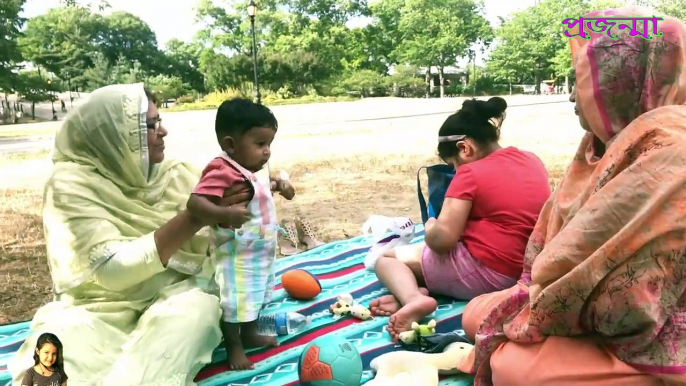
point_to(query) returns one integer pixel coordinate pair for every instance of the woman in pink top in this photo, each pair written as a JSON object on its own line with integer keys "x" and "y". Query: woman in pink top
{"x": 477, "y": 244}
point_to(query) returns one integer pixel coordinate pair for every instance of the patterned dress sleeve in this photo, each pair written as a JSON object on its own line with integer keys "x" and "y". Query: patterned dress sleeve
{"x": 132, "y": 262}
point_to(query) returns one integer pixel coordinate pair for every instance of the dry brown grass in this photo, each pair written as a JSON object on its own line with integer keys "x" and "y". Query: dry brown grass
{"x": 337, "y": 196}
{"x": 24, "y": 277}
{"x": 341, "y": 178}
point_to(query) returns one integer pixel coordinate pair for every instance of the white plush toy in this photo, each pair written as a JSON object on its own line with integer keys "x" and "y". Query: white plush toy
{"x": 402, "y": 233}
{"x": 411, "y": 368}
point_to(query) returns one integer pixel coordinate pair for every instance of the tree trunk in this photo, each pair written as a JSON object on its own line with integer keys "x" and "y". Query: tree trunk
{"x": 566, "y": 84}
{"x": 537, "y": 80}
{"x": 33, "y": 110}
{"x": 510, "y": 87}
{"x": 441, "y": 80}
{"x": 71, "y": 98}
{"x": 428, "y": 82}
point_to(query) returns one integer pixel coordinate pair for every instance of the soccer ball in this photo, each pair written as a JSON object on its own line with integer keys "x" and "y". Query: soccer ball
{"x": 330, "y": 361}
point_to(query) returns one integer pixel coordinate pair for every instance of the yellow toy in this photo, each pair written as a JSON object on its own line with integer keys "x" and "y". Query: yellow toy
{"x": 415, "y": 335}
{"x": 341, "y": 310}
{"x": 411, "y": 368}
{"x": 346, "y": 305}
{"x": 361, "y": 312}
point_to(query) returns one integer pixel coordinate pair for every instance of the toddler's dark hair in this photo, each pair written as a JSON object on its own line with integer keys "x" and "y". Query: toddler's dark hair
{"x": 44, "y": 339}
{"x": 238, "y": 115}
{"x": 477, "y": 119}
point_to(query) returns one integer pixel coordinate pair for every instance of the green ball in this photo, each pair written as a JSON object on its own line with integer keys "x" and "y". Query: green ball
{"x": 330, "y": 360}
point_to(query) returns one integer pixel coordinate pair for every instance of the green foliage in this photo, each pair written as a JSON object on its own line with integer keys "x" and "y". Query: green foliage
{"x": 10, "y": 56}
{"x": 364, "y": 82}
{"x": 440, "y": 32}
{"x": 103, "y": 73}
{"x": 32, "y": 87}
{"x": 306, "y": 49}
{"x": 166, "y": 87}
{"x": 406, "y": 82}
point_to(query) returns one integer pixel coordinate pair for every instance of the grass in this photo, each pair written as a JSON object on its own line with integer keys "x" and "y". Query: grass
{"x": 341, "y": 178}
{"x": 23, "y": 129}
{"x": 14, "y": 158}
{"x": 337, "y": 196}
{"x": 268, "y": 102}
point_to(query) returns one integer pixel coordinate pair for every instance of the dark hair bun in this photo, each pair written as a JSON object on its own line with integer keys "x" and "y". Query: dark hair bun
{"x": 493, "y": 108}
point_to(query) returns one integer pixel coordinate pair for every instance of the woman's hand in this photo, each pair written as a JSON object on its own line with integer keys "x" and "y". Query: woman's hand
{"x": 238, "y": 194}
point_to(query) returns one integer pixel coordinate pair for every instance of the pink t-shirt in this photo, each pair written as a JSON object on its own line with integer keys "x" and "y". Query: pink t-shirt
{"x": 218, "y": 176}
{"x": 508, "y": 189}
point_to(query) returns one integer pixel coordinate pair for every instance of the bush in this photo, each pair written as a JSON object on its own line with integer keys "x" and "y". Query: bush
{"x": 184, "y": 99}
{"x": 406, "y": 82}
{"x": 364, "y": 82}
{"x": 217, "y": 97}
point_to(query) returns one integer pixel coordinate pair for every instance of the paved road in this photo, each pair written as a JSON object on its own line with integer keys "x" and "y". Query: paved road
{"x": 192, "y": 133}
{"x": 297, "y": 119}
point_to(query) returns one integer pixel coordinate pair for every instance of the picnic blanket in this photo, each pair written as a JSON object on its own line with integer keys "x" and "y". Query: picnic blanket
{"x": 339, "y": 267}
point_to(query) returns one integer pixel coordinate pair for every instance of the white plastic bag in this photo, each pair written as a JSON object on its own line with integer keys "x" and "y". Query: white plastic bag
{"x": 401, "y": 233}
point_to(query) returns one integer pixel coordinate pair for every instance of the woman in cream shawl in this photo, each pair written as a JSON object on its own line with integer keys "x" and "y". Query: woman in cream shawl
{"x": 602, "y": 298}
{"x": 122, "y": 251}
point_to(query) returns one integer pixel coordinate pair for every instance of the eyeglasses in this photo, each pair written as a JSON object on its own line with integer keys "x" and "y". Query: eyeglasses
{"x": 155, "y": 125}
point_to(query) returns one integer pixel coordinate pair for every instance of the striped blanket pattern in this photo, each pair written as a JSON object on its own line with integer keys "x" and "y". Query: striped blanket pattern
{"x": 339, "y": 268}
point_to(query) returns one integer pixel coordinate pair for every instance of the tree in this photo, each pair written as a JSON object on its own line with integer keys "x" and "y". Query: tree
{"x": 673, "y": 8}
{"x": 363, "y": 81}
{"x": 317, "y": 28}
{"x": 383, "y": 33}
{"x": 166, "y": 87}
{"x": 123, "y": 35}
{"x": 62, "y": 41}
{"x": 32, "y": 88}
{"x": 183, "y": 60}
{"x": 438, "y": 33}
{"x": 10, "y": 56}
{"x": 529, "y": 46}
{"x": 103, "y": 73}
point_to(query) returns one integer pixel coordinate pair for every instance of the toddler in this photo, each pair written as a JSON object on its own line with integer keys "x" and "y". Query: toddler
{"x": 245, "y": 237}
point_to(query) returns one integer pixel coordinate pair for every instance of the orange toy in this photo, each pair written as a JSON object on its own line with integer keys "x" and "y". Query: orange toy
{"x": 300, "y": 284}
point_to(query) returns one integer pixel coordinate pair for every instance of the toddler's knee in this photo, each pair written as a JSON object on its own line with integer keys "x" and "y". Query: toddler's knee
{"x": 380, "y": 265}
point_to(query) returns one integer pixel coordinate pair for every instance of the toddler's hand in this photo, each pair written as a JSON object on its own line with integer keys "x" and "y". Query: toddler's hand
{"x": 286, "y": 190}
{"x": 284, "y": 187}
{"x": 236, "y": 216}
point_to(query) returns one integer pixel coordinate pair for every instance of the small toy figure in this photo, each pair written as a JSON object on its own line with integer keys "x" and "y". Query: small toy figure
{"x": 415, "y": 337}
{"x": 361, "y": 312}
{"x": 346, "y": 305}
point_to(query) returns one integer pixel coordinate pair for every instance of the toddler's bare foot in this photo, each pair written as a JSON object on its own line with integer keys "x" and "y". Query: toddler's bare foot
{"x": 388, "y": 305}
{"x": 414, "y": 311}
{"x": 236, "y": 358}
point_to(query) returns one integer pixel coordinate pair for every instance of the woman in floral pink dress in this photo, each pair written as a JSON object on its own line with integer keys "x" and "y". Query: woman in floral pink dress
{"x": 602, "y": 299}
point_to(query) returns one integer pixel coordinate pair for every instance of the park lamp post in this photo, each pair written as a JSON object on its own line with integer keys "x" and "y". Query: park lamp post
{"x": 252, "y": 12}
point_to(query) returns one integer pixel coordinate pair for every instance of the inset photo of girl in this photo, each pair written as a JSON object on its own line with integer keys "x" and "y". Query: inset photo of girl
{"x": 48, "y": 369}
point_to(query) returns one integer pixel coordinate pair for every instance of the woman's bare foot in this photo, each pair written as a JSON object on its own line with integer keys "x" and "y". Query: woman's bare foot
{"x": 414, "y": 311}
{"x": 388, "y": 305}
{"x": 236, "y": 358}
